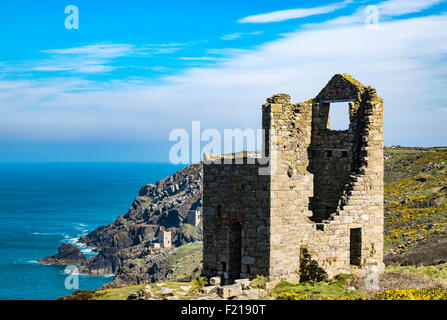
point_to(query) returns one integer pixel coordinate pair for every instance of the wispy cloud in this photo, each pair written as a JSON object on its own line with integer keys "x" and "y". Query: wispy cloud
{"x": 401, "y": 7}
{"x": 90, "y": 59}
{"x": 227, "y": 51}
{"x": 238, "y": 35}
{"x": 283, "y": 15}
{"x": 163, "y": 48}
{"x": 199, "y": 58}
{"x": 387, "y": 10}
{"x": 96, "y": 51}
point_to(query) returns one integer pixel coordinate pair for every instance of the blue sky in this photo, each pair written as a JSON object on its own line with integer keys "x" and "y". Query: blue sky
{"x": 135, "y": 70}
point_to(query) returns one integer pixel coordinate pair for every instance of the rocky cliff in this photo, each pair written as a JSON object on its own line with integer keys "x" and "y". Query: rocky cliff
{"x": 126, "y": 246}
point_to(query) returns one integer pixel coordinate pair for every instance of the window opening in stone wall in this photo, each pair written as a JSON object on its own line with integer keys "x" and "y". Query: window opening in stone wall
{"x": 329, "y": 154}
{"x": 339, "y": 116}
{"x": 355, "y": 247}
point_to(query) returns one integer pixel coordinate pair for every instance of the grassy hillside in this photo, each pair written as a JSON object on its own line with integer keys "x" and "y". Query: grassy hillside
{"x": 415, "y": 194}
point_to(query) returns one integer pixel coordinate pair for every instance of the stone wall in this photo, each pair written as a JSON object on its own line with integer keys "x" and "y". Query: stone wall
{"x": 235, "y": 196}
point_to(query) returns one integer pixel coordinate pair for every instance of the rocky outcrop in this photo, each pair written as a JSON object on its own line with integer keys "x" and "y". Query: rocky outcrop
{"x": 153, "y": 268}
{"x": 107, "y": 261}
{"x": 145, "y": 265}
{"x": 68, "y": 254}
{"x": 163, "y": 205}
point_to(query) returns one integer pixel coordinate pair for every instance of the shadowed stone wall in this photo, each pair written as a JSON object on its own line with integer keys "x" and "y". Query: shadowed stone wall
{"x": 235, "y": 197}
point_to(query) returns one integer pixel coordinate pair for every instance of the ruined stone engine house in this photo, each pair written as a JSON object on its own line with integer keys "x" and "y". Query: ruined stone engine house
{"x": 319, "y": 210}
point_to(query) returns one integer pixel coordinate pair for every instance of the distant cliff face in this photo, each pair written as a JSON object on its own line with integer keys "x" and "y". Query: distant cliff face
{"x": 165, "y": 205}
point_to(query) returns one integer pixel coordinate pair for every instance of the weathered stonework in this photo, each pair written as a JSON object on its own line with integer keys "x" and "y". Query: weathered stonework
{"x": 319, "y": 211}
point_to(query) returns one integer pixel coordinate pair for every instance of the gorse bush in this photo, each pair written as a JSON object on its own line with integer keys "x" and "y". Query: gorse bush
{"x": 398, "y": 294}
{"x": 413, "y": 294}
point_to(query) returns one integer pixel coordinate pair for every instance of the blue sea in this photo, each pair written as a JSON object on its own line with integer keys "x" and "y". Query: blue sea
{"x": 43, "y": 205}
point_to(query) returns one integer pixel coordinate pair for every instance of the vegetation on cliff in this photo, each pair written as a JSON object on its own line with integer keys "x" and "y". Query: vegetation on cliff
{"x": 415, "y": 196}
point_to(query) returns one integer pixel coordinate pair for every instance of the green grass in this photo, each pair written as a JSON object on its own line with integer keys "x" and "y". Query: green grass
{"x": 259, "y": 282}
{"x": 117, "y": 293}
{"x": 318, "y": 290}
{"x": 438, "y": 272}
{"x": 123, "y": 292}
{"x": 184, "y": 260}
{"x": 189, "y": 231}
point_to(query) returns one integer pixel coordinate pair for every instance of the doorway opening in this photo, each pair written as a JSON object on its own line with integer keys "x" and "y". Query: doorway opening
{"x": 355, "y": 247}
{"x": 235, "y": 252}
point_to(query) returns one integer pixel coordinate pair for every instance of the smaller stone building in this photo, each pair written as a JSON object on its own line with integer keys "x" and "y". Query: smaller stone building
{"x": 194, "y": 217}
{"x": 165, "y": 239}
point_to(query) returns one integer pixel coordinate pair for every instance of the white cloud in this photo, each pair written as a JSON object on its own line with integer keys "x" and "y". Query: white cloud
{"x": 96, "y": 58}
{"x": 404, "y": 59}
{"x": 96, "y": 51}
{"x": 232, "y": 36}
{"x": 283, "y": 15}
{"x": 401, "y": 7}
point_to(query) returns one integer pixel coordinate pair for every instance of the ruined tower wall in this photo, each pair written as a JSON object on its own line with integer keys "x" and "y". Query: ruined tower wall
{"x": 235, "y": 196}
{"x": 361, "y": 205}
{"x": 343, "y": 190}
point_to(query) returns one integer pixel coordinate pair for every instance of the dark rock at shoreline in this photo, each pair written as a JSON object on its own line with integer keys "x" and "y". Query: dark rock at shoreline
{"x": 106, "y": 262}
{"x": 68, "y": 254}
